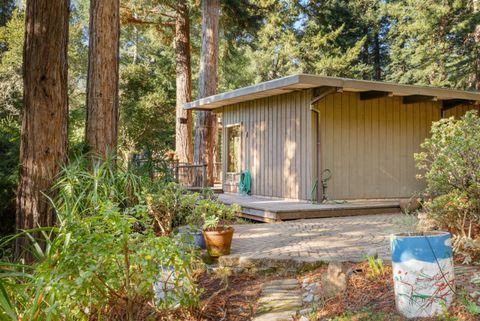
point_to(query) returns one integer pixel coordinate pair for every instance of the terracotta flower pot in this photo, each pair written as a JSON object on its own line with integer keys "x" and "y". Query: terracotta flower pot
{"x": 218, "y": 241}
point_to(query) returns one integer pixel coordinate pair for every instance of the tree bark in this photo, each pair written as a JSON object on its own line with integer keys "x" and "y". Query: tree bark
{"x": 102, "y": 81}
{"x": 377, "y": 58}
{"x": 365, "y": 54}
{"x": 206, "y": 121}
{"x": 183, "y": 124}
{"x": 43, "y": 146}
{"x": 476, "y": 9}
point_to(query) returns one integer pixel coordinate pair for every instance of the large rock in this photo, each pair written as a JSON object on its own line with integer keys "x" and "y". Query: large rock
{"x": 410, "y": 204}
{"x": 334, "y": 282}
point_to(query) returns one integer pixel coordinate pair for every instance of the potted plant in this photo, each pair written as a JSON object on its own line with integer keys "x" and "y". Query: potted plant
{"x": 217, "y": 232}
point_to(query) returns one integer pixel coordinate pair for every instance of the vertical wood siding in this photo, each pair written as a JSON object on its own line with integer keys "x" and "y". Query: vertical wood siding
{"x": 369, "y": 145}
{"x": 276, "y": 144}
{"x": 459, "y": 111}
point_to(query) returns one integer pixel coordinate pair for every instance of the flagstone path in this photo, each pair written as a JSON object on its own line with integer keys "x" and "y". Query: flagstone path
{"x": 280, "y": 300}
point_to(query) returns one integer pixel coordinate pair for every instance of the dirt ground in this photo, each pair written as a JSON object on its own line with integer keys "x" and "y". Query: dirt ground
{"x": 224, "y": 297}
{"x": 372, "y": 298}
{"x": 233, "y": 298}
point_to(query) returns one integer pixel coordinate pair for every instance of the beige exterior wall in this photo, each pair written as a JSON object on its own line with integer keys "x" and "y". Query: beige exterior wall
{"x": 459, "y": 111}
{"x": 276, "y": 142}
{"x": 369, "y": 145}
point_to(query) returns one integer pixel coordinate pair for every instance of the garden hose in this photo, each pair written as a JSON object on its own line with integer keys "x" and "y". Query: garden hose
{"x": 313, "y": 192}
{"x": 325, "y": 176}
{"x": 245, "y": 183}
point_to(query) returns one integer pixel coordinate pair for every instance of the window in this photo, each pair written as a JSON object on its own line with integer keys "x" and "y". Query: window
{"x": 234, "y": 148}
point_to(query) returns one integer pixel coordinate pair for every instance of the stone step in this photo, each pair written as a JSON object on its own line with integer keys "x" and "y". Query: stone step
{"x": 280, "y": 300}
{"x": 276, "y": 316}
{"x": 267, "y": 297}
{"x": 282, "y": 282}
{"x": 280, "y": 304}
{"x": 279, "y": 290}
{"x": 284, "y": 287}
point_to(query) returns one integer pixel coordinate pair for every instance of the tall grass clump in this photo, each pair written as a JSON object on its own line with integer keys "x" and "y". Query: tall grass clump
{"x": 103, "y": 260}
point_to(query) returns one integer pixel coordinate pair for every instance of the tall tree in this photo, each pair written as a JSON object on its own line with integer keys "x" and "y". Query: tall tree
{"x": 343, "y": 38}
{"x": 276, "y": 50}
{"x": 102, "y": 81}
{"x": 476, "y": 36}
{"x": 433, "y": 42}
{"x": 240, "y": 23}
{"x": 6, "y": 10}
{"x": 45, "y": 115}
{"x": 206, "y": 121}
{"x": 183, "y": 124}
{"x": 170, "y": 17}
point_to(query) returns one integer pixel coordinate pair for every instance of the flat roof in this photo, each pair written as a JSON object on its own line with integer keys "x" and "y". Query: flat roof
{"x": 303, "y": 81}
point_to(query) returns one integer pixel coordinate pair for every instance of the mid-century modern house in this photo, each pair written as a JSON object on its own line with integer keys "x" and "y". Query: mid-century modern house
{"x": 285, "y": 132}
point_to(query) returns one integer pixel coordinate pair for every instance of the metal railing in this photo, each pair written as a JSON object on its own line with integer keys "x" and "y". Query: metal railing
{"x": 191, "y": 176}
{"x": 194, "y": 176}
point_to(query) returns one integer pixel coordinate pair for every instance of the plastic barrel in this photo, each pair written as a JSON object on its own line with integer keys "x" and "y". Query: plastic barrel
{"x": 423, "y": 275}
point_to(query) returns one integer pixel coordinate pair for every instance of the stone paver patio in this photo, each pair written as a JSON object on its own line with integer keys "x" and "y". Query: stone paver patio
{"x": 295, "y": 244}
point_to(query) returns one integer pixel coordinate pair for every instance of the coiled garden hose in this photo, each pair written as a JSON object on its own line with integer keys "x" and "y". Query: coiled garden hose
{"x": 325, "y": 176}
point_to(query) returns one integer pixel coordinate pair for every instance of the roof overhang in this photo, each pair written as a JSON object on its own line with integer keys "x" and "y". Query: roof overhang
{"x": 371, "y": 89}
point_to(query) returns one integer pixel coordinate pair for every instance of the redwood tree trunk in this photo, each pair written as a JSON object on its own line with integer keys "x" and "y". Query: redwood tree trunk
{"x": 183, "y": 125}
{"x": 102, "y": 81}
{"x": 43, "y": 146}
{"x": 476, "y": 9}
{"x": 377, "y": 58}
{"x": 206, "y": 121}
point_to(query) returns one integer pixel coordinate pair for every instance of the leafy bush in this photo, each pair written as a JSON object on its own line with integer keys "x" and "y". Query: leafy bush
{"x": 103, "y": 259}
{"x": 214, "y": 213}
{"x": 451, "y": 165}
{"x": 148, "y": 90}
{"x": 171, "y": 207}
{"x": 9, "y": 151}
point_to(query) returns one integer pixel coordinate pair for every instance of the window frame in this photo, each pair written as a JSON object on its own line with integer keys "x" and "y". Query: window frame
{"x": 227, "y": 147}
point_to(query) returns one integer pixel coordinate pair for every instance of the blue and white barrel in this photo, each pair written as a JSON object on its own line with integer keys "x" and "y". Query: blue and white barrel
{"x": 423, "y": 274}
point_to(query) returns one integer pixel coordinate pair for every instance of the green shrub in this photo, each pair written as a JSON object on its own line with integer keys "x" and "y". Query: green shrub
{"x": 171, "y": 207}
{"x": 103, "y": 258}
{"x": 9, "y": 153}
{"x": 450, "y": 161}
{"x": 214, "y": 213}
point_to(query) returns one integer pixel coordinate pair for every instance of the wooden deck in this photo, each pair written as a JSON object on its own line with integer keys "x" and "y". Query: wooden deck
{"x": 273, "y": 210}
{"x": 217, "y": 188}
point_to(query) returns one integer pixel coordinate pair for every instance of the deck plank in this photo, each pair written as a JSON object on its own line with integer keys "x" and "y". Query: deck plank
{"x": 275, "y": 209}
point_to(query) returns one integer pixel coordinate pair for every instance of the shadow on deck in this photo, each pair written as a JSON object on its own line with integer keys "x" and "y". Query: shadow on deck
{"x": 265, "y": 209}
